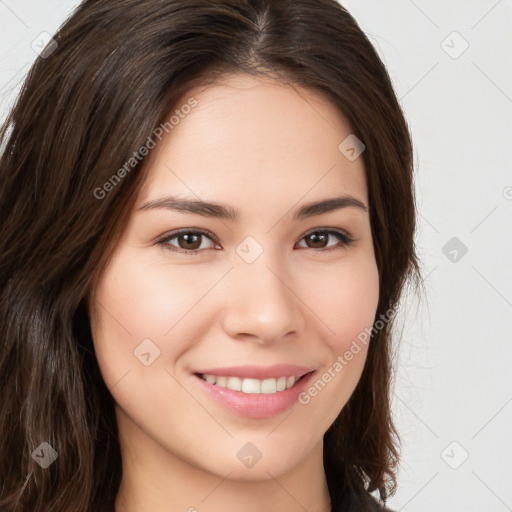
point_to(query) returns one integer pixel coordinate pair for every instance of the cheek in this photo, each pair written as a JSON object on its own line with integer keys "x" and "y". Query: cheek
{"x": 140, "y": 299}
{"x": 346, "y": 300}
{"x": 347, "y": 304}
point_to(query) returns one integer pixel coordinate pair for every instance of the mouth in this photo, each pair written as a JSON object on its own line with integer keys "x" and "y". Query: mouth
{"x": 250, "y": 397}
{"x": 252, "y": 386}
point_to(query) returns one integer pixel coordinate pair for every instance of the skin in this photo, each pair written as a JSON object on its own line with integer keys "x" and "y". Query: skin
{"x": 264, "y": 148}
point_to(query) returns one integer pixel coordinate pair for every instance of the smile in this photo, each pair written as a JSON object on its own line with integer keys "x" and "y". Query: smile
{"x": 251, "y": 386}
{"x": 252, "y": 397}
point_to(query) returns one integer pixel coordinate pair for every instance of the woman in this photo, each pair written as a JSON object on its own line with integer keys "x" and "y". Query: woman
{"x": 208, "y": 221}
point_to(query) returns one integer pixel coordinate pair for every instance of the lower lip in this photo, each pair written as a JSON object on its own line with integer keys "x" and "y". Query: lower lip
{"x": 256, "y": 405}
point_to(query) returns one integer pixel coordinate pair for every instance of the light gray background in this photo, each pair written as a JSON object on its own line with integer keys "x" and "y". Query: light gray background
{"x": 453, "y": 392}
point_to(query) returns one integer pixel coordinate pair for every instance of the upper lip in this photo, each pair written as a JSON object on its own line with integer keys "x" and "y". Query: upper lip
{"x": 257, "y": 372}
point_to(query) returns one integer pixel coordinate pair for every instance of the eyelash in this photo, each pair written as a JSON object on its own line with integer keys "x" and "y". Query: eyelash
{"x": 345, "y": 239}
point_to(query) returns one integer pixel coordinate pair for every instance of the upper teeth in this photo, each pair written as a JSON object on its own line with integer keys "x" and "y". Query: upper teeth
{"x": 267, "y": 386}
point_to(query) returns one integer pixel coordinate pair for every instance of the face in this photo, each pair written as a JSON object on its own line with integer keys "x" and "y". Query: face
{"x": 261, "y": 288}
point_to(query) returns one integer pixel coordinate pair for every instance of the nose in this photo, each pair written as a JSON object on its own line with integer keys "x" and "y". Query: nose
{"x": 261, "y": 302}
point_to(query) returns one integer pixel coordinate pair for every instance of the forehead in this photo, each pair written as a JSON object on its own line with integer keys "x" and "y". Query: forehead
{"x": 253, "y": 139}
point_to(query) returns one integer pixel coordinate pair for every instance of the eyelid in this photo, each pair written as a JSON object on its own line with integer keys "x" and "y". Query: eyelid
{"x": 346, "y": 238}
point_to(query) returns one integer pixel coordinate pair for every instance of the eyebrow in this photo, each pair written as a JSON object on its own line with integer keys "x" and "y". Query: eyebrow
{"x": 220, "y": 211}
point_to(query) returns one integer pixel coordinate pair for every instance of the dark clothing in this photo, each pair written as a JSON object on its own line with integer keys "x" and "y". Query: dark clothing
{"x": 361, "y": 503}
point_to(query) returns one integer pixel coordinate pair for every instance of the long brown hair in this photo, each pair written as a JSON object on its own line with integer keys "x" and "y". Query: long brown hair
{"x": 87, "y": 106}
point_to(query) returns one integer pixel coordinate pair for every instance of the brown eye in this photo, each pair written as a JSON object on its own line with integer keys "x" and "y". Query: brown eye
{"x": 190, "y": 241}
{"x": 319, "y": 239}
{"x": 187, "y": 241}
